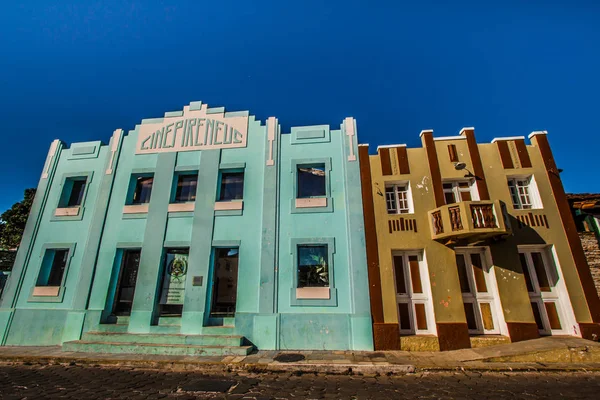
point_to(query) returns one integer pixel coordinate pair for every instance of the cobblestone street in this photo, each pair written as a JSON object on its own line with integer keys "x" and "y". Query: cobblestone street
{"x": 76, "y": 382}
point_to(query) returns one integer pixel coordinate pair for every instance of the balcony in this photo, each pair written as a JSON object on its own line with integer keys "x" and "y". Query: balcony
{"x": 470, "y": 220}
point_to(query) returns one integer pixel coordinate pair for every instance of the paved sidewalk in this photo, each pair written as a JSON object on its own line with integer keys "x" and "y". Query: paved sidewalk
{"x": 550, "y": 353}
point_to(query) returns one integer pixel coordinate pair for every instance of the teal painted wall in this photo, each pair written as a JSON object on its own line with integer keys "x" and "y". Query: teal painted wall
{"x": 267, "y": 313}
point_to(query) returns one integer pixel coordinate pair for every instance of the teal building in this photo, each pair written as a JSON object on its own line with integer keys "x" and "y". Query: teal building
{"x": 201, "y": 232}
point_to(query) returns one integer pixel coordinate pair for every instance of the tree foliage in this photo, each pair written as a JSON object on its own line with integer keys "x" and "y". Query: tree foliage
{"x": 13, "y": 220}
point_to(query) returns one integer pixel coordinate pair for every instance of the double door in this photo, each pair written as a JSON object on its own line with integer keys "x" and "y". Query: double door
{"x": 479, "y": 292}
{"x": 541, "y": 277}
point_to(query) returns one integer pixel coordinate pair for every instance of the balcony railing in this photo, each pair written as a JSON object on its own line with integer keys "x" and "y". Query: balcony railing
{"x": 468, "y": 220}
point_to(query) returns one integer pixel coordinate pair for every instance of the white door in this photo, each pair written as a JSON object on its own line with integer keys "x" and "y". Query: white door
{"x": 479, "y": 292}
{"x": 541, "y": 278}
{"x": 415, "y": 311}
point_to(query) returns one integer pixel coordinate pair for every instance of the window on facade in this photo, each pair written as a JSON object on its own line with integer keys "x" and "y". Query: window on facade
{"x": 313, "y": 266}
{"x": 73, "y": 190}
{"x": 523, "y": 193}
{"x": 53, "y": 267}
{"x": 232, "y": 186}
{"x": 311, "y": 181}
{"x": 186, "y": 188}
{"x": 398, "y": 199}
{"x": 457, "y": 191}
{"x": 142, "y": 190}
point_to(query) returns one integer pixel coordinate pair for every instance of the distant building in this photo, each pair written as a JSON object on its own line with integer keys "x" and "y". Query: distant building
{"x": 471, "y": 243}
{"x": 205, "y": 223}
{"x": 586, "y": 212}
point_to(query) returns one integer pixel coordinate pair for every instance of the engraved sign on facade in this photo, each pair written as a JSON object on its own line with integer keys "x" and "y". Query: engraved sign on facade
{"x": 195, "y": 130}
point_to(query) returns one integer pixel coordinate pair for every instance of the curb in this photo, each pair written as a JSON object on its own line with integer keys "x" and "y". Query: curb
{"x": 211, "y": 367}
{"x": 219, "y": 367}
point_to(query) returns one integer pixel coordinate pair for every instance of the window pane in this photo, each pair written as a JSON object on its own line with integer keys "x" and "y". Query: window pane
{"x": 540, "y": 272}
{"x": 470, "y": 314}
{"x": 390, "y": 199}
{"x": 478, "y": 273}
{"x": 486, "y": 316}
{"x": 526, "y": 272}
{"x": 311, "y": 181}
{"x": 400, "y": 277}
{"x": 404, "y": 316}
{"x": 464, "y": 185}
{"x": 58, "y": 267}
{"x": 143, "y": 190}
{"x": 313, "y": 266}
{"x": 449, "y": 196}
{"x": 186, "y": 188}
{"x": 232, "y": 186}
{"x": 536, "y": 315}
{"x": 76, "y": 196}
{"x": 402, "y": 195}
{"x": 462, "y": 274}
{"x": 415, "y": 275}
{"x": 420, "y": 316}
{"x": 514, "y": 194}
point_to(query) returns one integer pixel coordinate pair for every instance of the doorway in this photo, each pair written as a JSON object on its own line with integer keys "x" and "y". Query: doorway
{"x": 549, "y": 306}
{"x": 415, "y": 310}
{"x": 478, "y": 288}
{"x": 173, "y": 285}
{"x": 224, "y": 283}
{"x": 126, "y": 284}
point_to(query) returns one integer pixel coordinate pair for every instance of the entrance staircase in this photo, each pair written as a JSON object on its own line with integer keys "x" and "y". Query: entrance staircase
{"x": 114, "y": 338}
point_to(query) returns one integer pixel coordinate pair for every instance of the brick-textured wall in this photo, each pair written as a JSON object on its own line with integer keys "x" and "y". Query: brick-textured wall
{"x": 592, "y": 253}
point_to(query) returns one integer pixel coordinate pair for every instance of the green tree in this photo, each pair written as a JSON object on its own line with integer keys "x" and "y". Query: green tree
{"x": 13, "y": 220}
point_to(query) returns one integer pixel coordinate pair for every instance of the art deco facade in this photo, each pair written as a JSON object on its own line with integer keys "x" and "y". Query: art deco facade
{"x": 470, "y": 244}
{"x": 202, "y": 232}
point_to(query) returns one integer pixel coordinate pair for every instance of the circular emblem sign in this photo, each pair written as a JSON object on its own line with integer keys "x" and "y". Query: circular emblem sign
{"x": 177, "y": 268}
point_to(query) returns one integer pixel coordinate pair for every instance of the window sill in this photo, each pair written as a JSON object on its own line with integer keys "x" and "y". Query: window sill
{"x": 46, "y": 291}
{"x": 182, "y": 207}
{"x": 233, "y": 207}
{"x": 311, "y": 202}
{"x": 67, "y": 211}
{"x": 314, "y": 297}
{"x": 312, "y": 205}
{"x": 229, "y": 205}
{"x": 136, "y": 209}
{"x": 68, "y": 214}
{"x": 313, "y": 293}
{"x": 47, "y": 294}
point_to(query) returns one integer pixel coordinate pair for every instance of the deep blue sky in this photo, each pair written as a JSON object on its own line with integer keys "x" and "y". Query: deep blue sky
{"x": 77, "y": 71}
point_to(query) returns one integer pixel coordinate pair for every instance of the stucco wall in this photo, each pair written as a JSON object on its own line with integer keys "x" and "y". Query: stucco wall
{"x": 592, "y": 254}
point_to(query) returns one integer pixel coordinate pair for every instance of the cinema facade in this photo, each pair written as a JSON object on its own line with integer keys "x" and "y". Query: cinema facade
{"x": 207, "y": 232}
{"x": 202, "y": 232}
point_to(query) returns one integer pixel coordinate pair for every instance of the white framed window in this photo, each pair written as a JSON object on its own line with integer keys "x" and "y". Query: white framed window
{"x": 479, "y": 291}
{"x": 398, "y": 198}
{"x": 460, "y": 190}
{"x": 548, "y": 294}
{"x": 524, "y": 193}
{"x": 413, "y": 294}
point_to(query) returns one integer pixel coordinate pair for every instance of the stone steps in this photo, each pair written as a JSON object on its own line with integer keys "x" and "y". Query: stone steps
{"x": 154, "y": 348}
{"x": 193, "y": 340}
